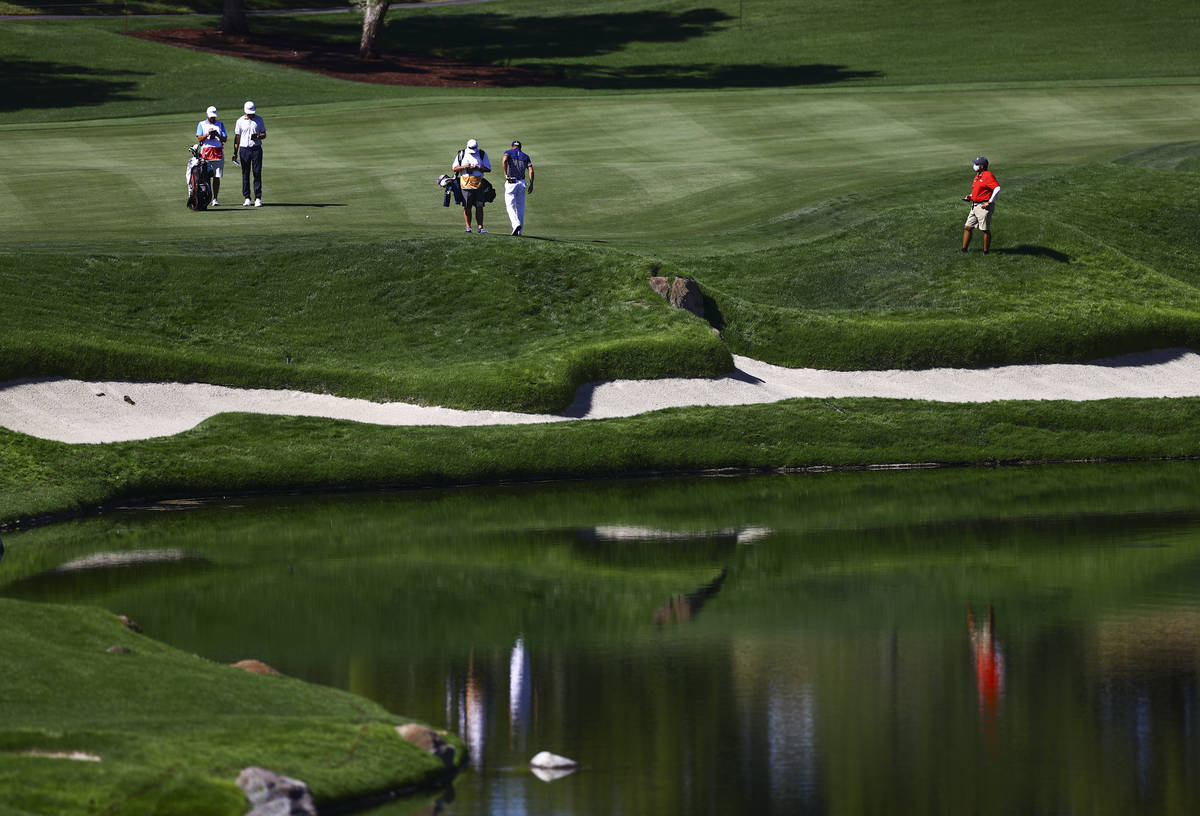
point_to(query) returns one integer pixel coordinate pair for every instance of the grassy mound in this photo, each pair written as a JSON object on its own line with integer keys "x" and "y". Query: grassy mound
{"x": 172, "y": 730}
{"x": 1065, "y": 281}
{"x": 506, "y": 325}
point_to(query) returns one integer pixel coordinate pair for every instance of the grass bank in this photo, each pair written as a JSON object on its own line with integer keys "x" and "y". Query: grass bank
{"x": 171, "y": 730}
{"x": 508, "y": 325}
{"x": 244, "y": 453}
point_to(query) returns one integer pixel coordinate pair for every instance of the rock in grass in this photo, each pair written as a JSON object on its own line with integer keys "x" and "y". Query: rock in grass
{"x": 686, "y": 295}
{"x": 682, "y": 293}
{"x": 130, "y": 624}
{"x": 427, "y": 740}
{"x": 255, "y": 667}
{"x": 273, "y": 794}
{"x": 545, "y": 759}
{"x": 119, "y": 650}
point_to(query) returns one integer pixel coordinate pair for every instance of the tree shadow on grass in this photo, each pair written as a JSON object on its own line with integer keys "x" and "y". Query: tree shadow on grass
{"x": 44, "y": 84}
{"x": 647, "y": 77}
{"x": 1034, "y": 251}
{"x": 534, "y": 44}
{"x": 503, "y": 38}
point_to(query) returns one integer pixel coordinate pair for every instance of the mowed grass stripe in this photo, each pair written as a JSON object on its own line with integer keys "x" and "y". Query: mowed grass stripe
{"x": 819, "y": 148}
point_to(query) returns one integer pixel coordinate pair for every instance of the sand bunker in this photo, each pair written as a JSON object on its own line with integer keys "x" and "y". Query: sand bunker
{"x": 88, "y": 412}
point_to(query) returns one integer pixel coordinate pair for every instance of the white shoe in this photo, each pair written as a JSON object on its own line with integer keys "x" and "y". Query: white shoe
{"x": 214, "y": 203}
{"x": 258, "y": 202}
{"x": 247, "y": 203}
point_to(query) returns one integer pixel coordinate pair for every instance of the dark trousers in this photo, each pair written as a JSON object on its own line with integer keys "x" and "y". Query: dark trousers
{"x": 251, "y": 159}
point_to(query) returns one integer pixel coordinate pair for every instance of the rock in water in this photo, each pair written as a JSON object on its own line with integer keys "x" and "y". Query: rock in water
{"x": 428, "y": 740}
{"x": 273, "y": 794}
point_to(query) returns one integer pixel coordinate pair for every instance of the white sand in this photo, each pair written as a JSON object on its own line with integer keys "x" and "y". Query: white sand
{"x": 79, "y": 412}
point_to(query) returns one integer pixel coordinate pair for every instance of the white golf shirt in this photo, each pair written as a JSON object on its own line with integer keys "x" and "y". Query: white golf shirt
{"x": 245, "y": 127}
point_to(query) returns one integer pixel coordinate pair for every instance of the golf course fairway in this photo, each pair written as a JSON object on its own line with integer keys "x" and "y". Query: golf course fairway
{"x": 803, "y": 163}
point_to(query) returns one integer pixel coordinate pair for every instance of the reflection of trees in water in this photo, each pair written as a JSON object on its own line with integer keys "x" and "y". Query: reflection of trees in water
{"x": 1147, "y": 704}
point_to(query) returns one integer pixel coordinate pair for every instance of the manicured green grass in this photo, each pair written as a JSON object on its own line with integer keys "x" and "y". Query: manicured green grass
{"x": 512, "y": 325}
{"x": 173, "y": 730}
{"x": 803, "y": 161}
{"x": 819, "y": 213}
{"x": 243, "y": 453}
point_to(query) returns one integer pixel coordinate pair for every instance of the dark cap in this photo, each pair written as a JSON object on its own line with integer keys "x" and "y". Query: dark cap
{"x": 516, "y": 143}
{"x": 982, "y": 162}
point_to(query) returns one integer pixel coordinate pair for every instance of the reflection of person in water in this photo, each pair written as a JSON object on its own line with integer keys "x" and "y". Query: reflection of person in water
{"x": 989, "y": 667}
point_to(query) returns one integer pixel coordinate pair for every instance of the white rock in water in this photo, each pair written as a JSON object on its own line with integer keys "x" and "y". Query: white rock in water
{"x": 545, "y": 759}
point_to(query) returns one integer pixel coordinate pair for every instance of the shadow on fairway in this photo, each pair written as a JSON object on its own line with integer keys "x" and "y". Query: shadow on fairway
{"x": 648, "y": 77}
{"x": 1034, "y": 252}
{"x": 42, "y": 84}
{"x": 507, "y": 38}
{"x": 511, "y": 41}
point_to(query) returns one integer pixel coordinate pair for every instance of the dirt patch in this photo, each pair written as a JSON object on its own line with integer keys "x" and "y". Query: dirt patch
{"x": 399, "y": 69}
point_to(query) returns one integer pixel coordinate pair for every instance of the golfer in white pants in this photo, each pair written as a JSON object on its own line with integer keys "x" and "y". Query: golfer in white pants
{"x": 516, "y": 164}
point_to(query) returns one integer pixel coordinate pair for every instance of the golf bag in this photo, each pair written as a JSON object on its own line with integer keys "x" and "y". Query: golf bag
{"x": 199, "y": 181}
{"x": 449, "y": 185}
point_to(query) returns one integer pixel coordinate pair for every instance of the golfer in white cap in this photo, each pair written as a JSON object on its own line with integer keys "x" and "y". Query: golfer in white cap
{"x": 471, "y": 163}
{"x": 248, "y": 134}
{"x": 211, "y": 136}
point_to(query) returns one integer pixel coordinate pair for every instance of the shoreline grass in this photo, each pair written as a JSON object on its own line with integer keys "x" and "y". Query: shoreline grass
{"x": 241, "y": 453}
{"x": 68, "y": 693}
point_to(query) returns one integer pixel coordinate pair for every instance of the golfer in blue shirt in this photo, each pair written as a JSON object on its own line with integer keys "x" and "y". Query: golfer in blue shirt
{"x": 516, "y": 165}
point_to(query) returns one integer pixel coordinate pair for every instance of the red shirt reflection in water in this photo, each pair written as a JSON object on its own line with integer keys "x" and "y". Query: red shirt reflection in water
{"x": 989, "y": 669}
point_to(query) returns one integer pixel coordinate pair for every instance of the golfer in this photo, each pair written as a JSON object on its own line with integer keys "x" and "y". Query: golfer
{"x": 248, "y": 134}
{"x": 516, "y": 164}
{"x": 983, "y": 194}
{"x": 471, "y": 163}
{"x": 211, "y": 136}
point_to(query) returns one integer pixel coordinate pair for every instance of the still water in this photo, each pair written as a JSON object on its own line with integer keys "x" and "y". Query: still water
{"x": 1011, "y": 641}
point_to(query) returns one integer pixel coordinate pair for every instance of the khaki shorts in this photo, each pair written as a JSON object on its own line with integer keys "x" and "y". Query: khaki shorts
{"x": 980, "y": 218}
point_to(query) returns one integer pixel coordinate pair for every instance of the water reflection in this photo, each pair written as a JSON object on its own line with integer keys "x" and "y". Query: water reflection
{"x": 761, "y": 645}
{"x": 682, "y": 608}
{"x": 989, "y": 669}
{"x": 520, "y": 697}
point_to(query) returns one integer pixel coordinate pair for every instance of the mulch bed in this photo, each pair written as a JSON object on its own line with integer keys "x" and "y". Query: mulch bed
{"x": 389, "y": 69}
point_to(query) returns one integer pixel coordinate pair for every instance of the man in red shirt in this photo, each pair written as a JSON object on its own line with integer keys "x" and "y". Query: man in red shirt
{"x": 983, "y": 194}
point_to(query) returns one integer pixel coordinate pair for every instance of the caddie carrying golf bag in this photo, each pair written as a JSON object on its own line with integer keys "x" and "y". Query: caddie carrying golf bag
{"x": 199, "y": 181}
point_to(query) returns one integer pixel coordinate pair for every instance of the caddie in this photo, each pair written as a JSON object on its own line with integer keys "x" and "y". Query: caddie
{"x": 211, "y": 136}
{"x": 470, "y": 164}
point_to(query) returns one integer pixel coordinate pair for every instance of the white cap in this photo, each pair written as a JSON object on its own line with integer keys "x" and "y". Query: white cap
{"x": 248, "y": 107}
{"x": 472, "y": 144}
{"x": 212, "y": 111}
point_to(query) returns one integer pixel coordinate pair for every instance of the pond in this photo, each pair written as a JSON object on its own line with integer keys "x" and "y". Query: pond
{"x": 1014, "y": 640}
